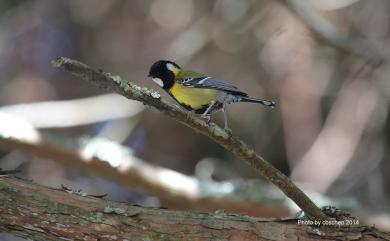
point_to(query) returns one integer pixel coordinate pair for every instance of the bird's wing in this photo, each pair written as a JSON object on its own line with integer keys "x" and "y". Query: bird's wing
{"x": 196, "y": 80}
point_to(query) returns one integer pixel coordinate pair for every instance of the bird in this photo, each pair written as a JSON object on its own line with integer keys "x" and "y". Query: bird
{"x": 199, "y": 93}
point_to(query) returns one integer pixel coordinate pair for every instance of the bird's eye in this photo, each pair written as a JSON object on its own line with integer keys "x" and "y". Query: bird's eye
{"x": 158, "y": 81}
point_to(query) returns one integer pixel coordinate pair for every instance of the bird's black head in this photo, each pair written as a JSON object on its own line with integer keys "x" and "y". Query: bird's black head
{"x": 164, "y": 72}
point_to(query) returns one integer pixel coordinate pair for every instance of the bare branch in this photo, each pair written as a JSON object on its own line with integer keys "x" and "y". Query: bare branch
{"x": 213, "y": 131}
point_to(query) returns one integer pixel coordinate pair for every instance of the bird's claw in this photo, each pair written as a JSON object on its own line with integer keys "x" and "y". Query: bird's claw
{"x": 190, "y": 114}
{"x": 228, "y": 130}
{"x": 207, "y": 118}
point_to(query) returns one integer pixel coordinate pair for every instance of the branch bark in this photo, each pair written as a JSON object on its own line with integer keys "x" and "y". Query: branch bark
{"x": 40, "y": 213}
{"x": 213, "y": 131}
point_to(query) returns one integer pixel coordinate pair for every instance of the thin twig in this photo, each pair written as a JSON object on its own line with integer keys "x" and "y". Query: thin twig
{"x": 214, "y": 132}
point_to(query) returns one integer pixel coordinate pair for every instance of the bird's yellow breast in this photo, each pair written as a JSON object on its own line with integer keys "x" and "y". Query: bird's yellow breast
{"x": 196, "y": 98}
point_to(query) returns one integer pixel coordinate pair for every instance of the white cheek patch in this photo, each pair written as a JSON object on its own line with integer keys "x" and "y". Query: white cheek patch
{"x": 158, "y": 81}
{"x": 171, "y": 67}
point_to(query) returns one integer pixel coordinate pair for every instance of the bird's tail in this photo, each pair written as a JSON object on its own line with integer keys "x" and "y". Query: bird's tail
{"x": 255, "y": 100}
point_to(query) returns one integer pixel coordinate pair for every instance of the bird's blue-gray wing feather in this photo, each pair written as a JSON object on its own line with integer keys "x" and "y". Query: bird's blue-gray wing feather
{"x": 212, "y": 83}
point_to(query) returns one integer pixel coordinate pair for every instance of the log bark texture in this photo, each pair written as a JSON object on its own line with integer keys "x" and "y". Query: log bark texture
{"x": 40, "y": 213}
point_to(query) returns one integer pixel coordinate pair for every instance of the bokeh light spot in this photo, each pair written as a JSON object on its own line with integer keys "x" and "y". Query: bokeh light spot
{"x": 172, "y": 14}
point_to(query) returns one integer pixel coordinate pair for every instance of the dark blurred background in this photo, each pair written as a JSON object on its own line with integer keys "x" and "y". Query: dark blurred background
{"x": 329, "y": 131}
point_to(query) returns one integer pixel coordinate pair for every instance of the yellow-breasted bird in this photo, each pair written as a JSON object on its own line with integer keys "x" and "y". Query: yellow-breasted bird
{"x": 197, "y": 92}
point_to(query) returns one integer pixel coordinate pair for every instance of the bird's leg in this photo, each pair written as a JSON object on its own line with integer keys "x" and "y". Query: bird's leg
{"x": 207, "y": 118}
{"x": 206, "y": 113}
{"x": 225, "y": 118}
